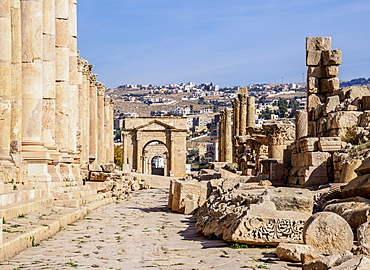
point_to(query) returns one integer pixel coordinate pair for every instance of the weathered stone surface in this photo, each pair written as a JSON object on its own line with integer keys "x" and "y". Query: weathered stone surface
{"x": 309, "y": 144}
{"x": 357, "y": 217}
{"x": 307, "y": 257}
{"x": 95, "y": 167}
{"x": 343, "y": 119}
{"x": 360, "y": 186}
{"x": 332, "y": 57}
{"x": 365, "y": 119}
{"x": 348, "y": 170}
{"x": 331, "y": 71}
{"x": 328, "y": 233}
{"x": 292, "y": 252}
{"x": 256, "y": 216}
{"x": 329, "y": 85}
{"x": 366, "y": 102}
{"x": 330, "y": 144}
{"x": 314, "y": 100}
{"x": 363, "y": 233}
{"x": 327, "y": 262}
{"x": 313, "y": 58}
{"x": 99, "y": 176}
{"x": 331, "y": 104}
{"x": 313, "y": 84}
{"x": 318, "y": 43}
{"x": 317, "y": 72}
{"x": 352, "y": 92}
{"x": 364, "y": 168}
{"x": 108, "y": 167}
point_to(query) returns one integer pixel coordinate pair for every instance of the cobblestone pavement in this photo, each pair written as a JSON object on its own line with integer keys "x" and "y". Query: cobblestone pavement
{"x": 139, "y": 233}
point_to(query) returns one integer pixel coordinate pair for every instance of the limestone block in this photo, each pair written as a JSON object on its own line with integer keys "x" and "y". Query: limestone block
{"x": 366, "y": 102}
{"x": 316, "y": 176}
{"x": 318, "y": 43}
{"x": 329, "y": 85}
{"x": 331, "y": 104}
{"x": 183, "y": 191}
{"x": 344, "y": 119}
{"x": 312, "y": 85}
{"x": 353, "y": 264}
{"x": 292, "y": 252}
{"x": 330, "y": 144}
{"x": 108, "y": 167}
{"x": 95, "y": 167}
{"x": 360, "y": 186}
{"x": 318, "y": 112}
{"x": 62, "y": 64}
{"x": 332, "y": 57}
{"x": 365, "y": 119}
{"x": 62, "y": 9}
{"x": 314, "y": 100}
{"x": 363, "y": 233}
{"x": 322, "y": 125}
{"x": 364, "y": 168}
{"x": 316, "y": 72}
{"x": 190, "y": 205}
{"x": 251, "y": 217}
{"x": 99, "y": 176}
{"x": 309, "y": 144}
{"x": 313, "y": 58}
{"x": 323, "y": 263}
{"x": 356, "y": 217}
{"x": 350, "y": 92}
{"x": 307, "y": 257}
{"x": 348, "y": 170}
{"x": 328, "y": 233}
{"x": 331, "y": 71}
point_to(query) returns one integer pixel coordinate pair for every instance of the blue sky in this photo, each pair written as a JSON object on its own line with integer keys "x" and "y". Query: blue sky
{"x": 228, "y": 42}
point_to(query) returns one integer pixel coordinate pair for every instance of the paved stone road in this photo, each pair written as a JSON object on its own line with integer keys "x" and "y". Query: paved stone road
{"x": 139, "y": 233}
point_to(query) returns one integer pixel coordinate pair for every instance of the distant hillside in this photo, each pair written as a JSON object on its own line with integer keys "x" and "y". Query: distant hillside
{"x": 358, "y": 81}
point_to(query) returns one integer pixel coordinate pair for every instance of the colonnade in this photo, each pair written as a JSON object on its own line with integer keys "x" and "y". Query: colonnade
{"x": 53, "y": 110}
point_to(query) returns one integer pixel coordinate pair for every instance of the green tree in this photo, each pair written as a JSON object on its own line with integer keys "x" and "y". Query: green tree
{"x": 118, "y": 156}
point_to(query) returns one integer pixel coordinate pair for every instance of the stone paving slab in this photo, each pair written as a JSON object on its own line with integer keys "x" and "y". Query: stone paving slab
{"x": 140, "y": 233}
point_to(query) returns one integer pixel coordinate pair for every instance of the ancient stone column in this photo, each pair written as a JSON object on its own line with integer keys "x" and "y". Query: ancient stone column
{"x": 32, "y": 54}
{"x": 100, "y": 122}
{"x": 221, "y": 136}
{"x": 236, "y": 115}
{"x": 5, "y": 77}
{"x": 251, "y": 112}
{"x": 62, "y": 74}
{"x": 84, "y": 109}
{"x": 93, "y": 118}
{"x": 301, "y": 124}
{"x": 73, "y": 77}
{"x": 16, "y": 56}
{"x": 108, "y": 129}
{"x": 48, "y": 126}
{"x": 228, "y": 136}
{"x": 243, "y": 115}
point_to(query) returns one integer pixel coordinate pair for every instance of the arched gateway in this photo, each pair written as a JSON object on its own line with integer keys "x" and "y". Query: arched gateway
{"x": 154, "y": 145}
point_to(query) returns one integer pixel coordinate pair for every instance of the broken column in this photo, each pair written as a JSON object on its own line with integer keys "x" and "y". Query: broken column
{"x": 251, "y": 112}
{"x": 301, "y": 124}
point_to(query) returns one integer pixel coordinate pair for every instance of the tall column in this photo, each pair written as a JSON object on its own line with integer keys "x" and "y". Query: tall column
{"x": 110, "y": 152}
{"x": 48, "y": 131}
{"x": 301, "y": 124}
{"x": 16, "y": 54}
{"x": 32, "y": 53}
{"x": 251, "y": 112}
{"x": 93, "y": 118}
{"x": 228, "y": 136}
{"x": 243, "y": 115}
{"x": 222, "y": 137}
{"x": 73, "y": 77}
{"x": 84, "y": 109}
{"x": 5, "y": 78}
{"x": 100, "y": 122}
{"x": 236, "y": 116}
{"x": 62, "y": 73}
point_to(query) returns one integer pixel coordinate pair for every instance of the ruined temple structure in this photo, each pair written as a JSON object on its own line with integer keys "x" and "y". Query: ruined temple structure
{"x": 56, "y": 122}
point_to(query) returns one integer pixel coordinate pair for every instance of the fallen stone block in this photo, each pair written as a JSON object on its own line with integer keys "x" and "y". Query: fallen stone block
{"x": 364, "y": 168}
{"x": 292, "y": 252}
{"x": 363, "y": 233}
{"x": 108, "y": 167}
{"x": 343, "y": 119}
{"x": 328, "y": 233}
{"x": 330, "y": 144}
{"x": 95, "y": 167}
{"x": 360, "y": 186}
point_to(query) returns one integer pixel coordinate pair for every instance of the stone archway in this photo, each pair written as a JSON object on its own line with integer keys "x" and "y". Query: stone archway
{"x": 152, "y": 150}
{"x": 140, "y": 132}
{"x": 158, "y": 166}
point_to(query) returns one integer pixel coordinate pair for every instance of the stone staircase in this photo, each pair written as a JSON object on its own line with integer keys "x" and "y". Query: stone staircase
{"x": 31, "y": 215}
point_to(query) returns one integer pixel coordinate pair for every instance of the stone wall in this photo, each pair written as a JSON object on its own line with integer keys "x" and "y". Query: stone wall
{"x": 55, "y": 117}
